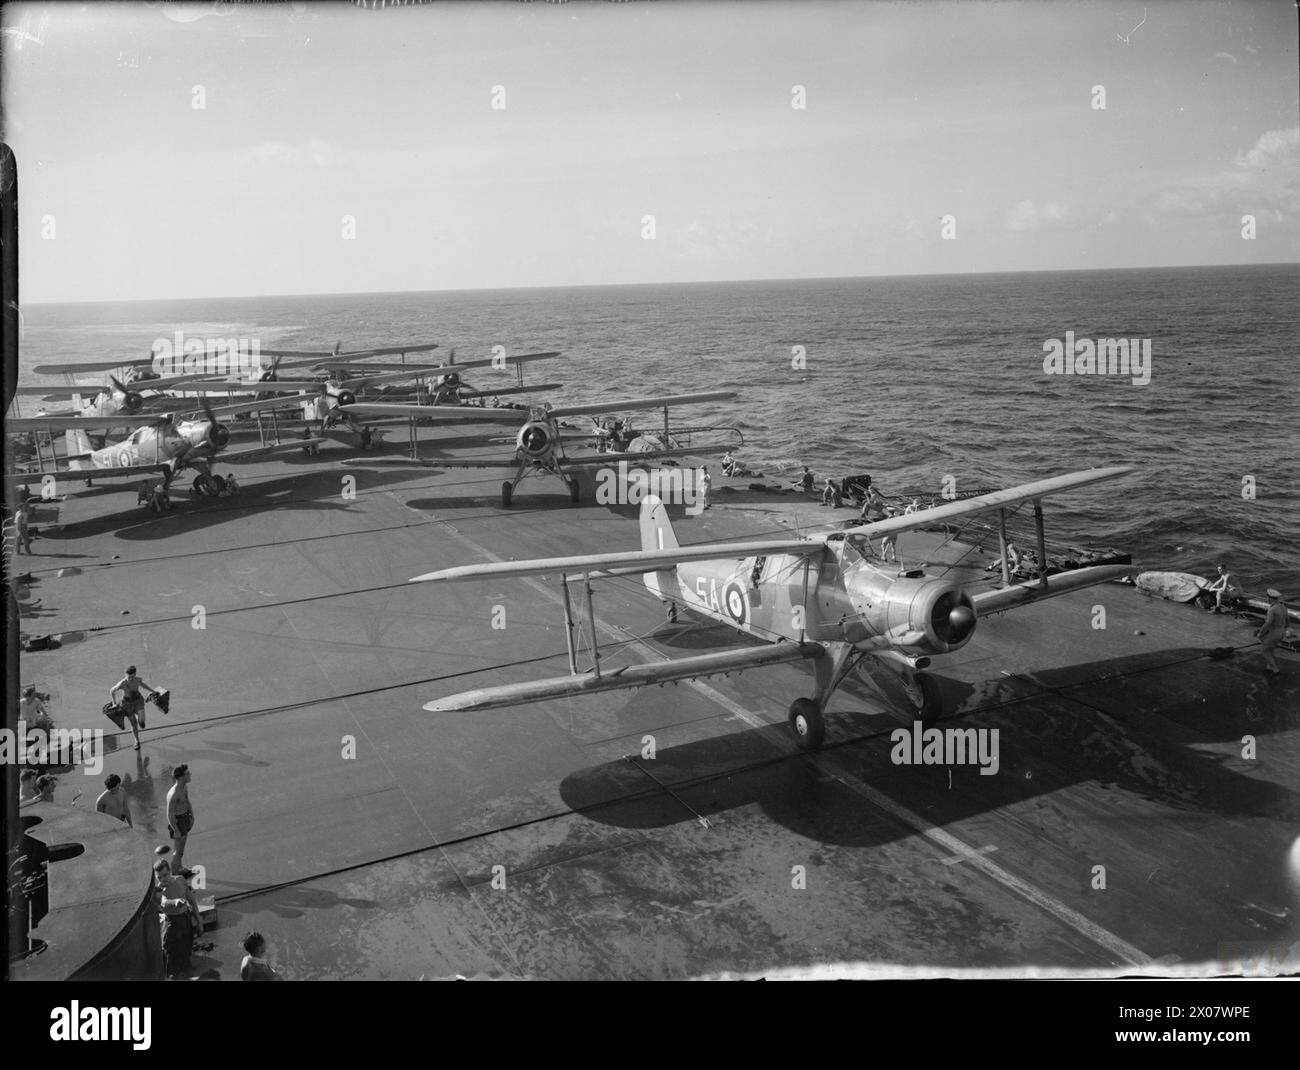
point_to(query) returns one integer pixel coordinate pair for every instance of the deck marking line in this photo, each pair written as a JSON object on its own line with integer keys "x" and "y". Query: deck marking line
{"x": 987, "y": 849}
{"x": 1116, "y": 945}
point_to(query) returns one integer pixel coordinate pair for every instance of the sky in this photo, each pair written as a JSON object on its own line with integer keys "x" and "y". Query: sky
{"x": 934, "y": 138}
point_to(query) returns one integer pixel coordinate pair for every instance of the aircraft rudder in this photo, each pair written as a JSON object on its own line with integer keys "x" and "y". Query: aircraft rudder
{"x": 656, "y": 528}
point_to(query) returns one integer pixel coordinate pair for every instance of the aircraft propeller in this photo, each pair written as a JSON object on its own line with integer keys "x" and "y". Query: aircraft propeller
{"x": 131, "y": 401}
{"x": 217, "y": 434}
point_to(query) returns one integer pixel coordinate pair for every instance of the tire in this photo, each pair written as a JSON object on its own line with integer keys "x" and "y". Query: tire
{"x": 507, "y": 492}
{"x": 927, "y": 699}
{"x": 807, "y": 723}
{"x": 575, "y": 492}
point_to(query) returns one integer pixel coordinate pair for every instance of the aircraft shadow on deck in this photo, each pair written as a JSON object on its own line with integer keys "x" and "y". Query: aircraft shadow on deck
{"x": 1047, "y": 743}
{"x": 311, "y": 491}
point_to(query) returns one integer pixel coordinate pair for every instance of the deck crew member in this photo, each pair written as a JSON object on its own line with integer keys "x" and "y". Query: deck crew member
{"x": 32, "y": 709}
{"x": 180, "y": 914}
{"x": 805, "y": 482}
{"x": 112, "y": 800}
{"x": 180, "y": 814}
{"x": 132, "y": 702}
{"x": 1013, "y": 560}
{"x": 831, "y": 494}
{"x": 706, "y": 484}
{"x": 254, "y": 967}
{"x": 1220, "y": 588}
{"x": 728, "y": 463}
{"x": 21, "y": 529}
{"x": 1272, "y": 631}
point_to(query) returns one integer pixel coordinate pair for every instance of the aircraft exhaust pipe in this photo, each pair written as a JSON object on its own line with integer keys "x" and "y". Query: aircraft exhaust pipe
{"x": 904, "y": 662}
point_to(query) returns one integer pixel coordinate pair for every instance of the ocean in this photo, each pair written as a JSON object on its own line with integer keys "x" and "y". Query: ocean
{"x": 913, "y": 379}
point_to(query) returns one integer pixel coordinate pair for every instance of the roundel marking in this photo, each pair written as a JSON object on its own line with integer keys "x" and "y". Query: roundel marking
{"x": 734, "y": 602}
{"x": 123, "y": 459}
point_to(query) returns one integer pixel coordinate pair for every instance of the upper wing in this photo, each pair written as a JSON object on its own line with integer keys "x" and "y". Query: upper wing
{"x": 643, "y": 403}
{"x": 67, "y": 423}
{"x": 424, "y": 371}
{"x": 92, "y": 367}
{"x": 438, "y": 412}
{"x": 994, "y": 500}
{"x": 534, "y": 389}
{"x": 626, "y": 562}
{"x": 488, "y": 698}
{"x": 139, "y": 386}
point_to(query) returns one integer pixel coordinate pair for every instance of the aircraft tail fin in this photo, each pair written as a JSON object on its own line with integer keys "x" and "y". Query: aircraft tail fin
{"x": 77, "y": 442}
{"x": 656, "y": 529}
{"x": 657, "y": 534}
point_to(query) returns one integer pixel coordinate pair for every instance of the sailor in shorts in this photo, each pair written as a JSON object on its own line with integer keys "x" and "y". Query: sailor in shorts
{"x": 132, "y": 702}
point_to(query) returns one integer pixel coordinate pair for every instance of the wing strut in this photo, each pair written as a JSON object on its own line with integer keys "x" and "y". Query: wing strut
{"x": 1002, "y": 545}
{"x": 591, "y": 624}
{"x": 1042, "y": 543}
{"x": 569, "y": 625}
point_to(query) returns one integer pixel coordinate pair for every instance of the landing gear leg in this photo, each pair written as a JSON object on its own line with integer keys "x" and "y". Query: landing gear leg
{"x": 807, "y": 715}
{"x": 925, "y": 696}
{"x": 807, "y": 723}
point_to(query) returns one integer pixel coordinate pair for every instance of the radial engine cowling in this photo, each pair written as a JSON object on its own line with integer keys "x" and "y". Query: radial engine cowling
{"x": 534, "y": 438}
{"x": 132, "y": 402}
{"x": 217, "y": 435}
{"x": 345, "y": 397}
{"x": 922, "y": 615}
{"x": 448, "y": 381}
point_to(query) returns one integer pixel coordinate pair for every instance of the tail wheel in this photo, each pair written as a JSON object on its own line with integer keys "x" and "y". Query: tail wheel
{"x": 575, "y": 492}
{"x": 926, "y": 698}
{"x": 807, "y": 723}
{"x": 506, "y": 492}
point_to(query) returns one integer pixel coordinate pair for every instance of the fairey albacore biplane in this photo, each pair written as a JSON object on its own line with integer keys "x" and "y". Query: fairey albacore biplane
{"x": 539, "y": 443}
{"x": 159, "y": 444}
{"x": 825, "y": 598}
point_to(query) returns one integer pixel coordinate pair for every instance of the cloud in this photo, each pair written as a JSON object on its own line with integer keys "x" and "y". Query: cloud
{"x": 1263, "y": 178}
{"x": 1028, "y": 216}
{"x": 1275, "y": 146}
{"x": 315, "y": 152}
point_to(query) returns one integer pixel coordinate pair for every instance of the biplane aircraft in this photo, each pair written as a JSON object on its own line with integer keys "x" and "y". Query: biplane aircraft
{"x": 334, "y": 397}
{"x": 825, "y": 598}
{"x": 539, "y": 443}
{"x": 108, "y": 403}
{"x": 143, "y": 369}
{"x": 160, "y": 444}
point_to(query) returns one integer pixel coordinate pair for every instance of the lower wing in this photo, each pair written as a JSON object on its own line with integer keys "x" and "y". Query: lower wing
{"x": 1019, "y": 594}
{"x": 259, "y": 451}
{"x": 641, "y": 455}
{"x": 632, "y": 676}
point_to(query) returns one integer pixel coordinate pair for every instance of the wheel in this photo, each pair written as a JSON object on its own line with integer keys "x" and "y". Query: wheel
{"x": 807, "y": 723}
{"x": 927, "y": 699}
{"x": 575, "y": 492}
{"x": 506, "y": 491}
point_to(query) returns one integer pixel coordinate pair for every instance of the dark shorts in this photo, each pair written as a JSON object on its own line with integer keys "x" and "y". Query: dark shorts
{"x": 184, "y": 822}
